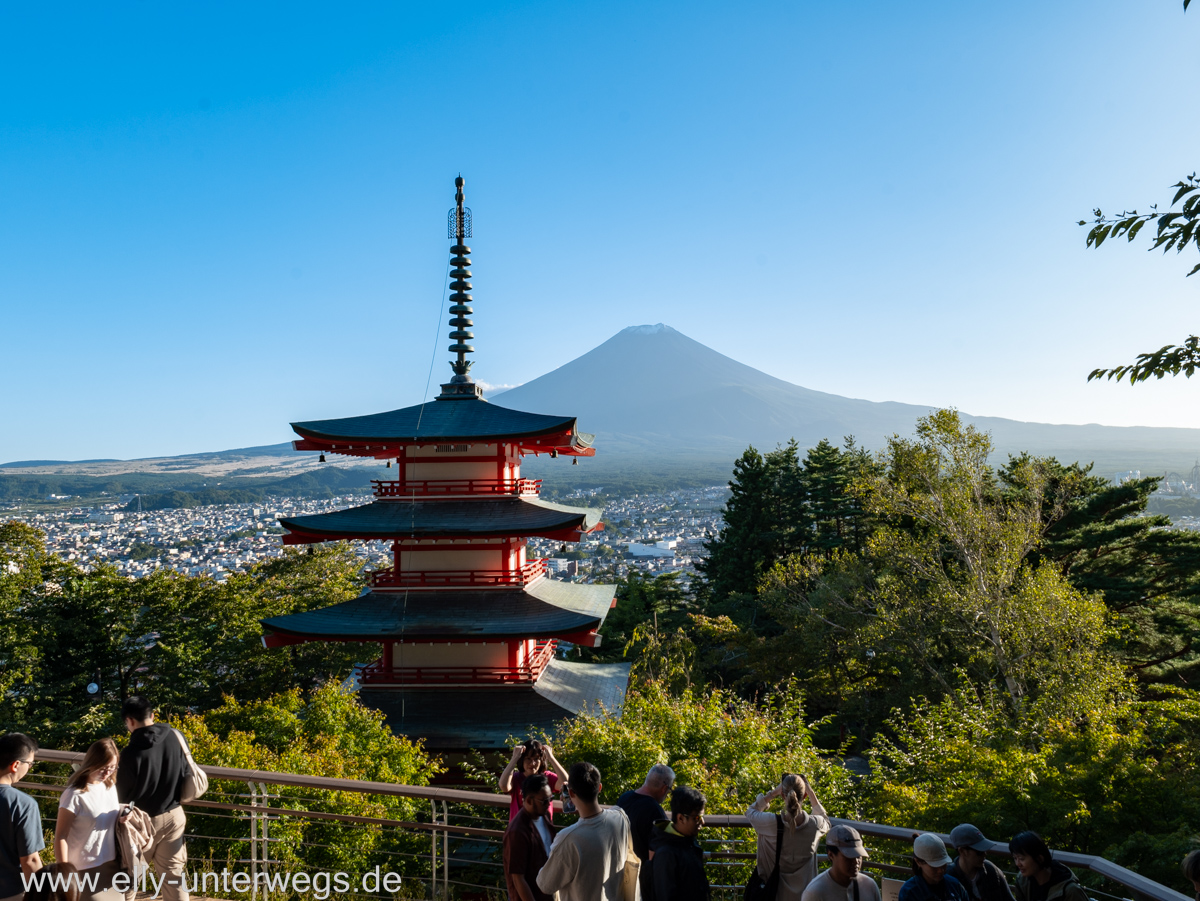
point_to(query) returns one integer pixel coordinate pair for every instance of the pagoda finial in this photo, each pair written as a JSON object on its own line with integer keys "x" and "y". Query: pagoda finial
{"x": 459, "y": 228}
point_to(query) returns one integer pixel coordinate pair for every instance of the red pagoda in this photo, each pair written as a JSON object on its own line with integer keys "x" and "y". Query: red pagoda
{"x": 468, "y": 622}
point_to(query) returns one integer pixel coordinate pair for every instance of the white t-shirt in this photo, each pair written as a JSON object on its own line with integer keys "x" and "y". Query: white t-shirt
{"x": 92, "y": 839}
{"x": 588, "y": 859}
{"x": 823, "y": 888}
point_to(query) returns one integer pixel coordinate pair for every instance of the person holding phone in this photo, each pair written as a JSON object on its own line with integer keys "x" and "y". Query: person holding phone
{"x": 802, "y": 832}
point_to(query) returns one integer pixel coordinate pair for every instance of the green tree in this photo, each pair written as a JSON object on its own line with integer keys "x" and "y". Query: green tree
{"x": 1106, "y": 544}
{"x": 944, "y": 588}
{"x": 761, "y": 518}
{"x": 832, "y": 516}
{"x": 780, "y": 505}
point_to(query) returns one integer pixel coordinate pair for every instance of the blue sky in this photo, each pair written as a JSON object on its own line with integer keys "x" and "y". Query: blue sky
{"x": 217, "y": 220}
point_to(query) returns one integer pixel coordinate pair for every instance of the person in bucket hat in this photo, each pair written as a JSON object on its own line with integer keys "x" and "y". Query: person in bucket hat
{"x": 929, "y": 881}
{"x": 844, "y": 880}
{"x": 980, "y": 877}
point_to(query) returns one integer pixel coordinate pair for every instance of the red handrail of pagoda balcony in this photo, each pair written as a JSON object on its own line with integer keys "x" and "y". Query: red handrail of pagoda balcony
{"x": 449, "y": 487}
{"x": 457, "y": 578}
{"x": 543, "y": 653}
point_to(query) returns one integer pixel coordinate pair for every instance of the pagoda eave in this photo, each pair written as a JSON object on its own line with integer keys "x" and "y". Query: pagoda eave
{"x": 295, "y": 535}
{"x": 564, "y": 445}
{"x": 443, "y": 421}
{"x": 546, "y": 608}
{"x": 565, "y": 689}
{"x": 393, "y": 519}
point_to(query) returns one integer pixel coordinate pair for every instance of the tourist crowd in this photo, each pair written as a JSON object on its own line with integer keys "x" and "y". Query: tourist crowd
{"x": 121, "y": 811}
{"x": 634, "y": 849}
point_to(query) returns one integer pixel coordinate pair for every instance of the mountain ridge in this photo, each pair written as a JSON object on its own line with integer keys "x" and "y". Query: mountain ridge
{"x": 655, "y": 397}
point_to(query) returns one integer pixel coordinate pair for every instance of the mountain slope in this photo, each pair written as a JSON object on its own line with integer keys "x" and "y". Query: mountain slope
{"x": 652, "y": 389}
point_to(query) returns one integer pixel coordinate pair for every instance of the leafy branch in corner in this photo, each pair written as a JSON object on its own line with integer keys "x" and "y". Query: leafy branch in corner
{"x": 1174, "y": 230}
{"x": 1170, "y": 360}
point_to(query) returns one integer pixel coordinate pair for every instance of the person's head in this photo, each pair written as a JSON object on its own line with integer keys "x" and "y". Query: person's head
{"x": 533, "y": 758}
{"x": 536, "y": 795}
{"x": 583, "y": 783}
{"x": 99, "y": 765}
{"x": 137, "y": 712}
{"x": 1030, "y": 853}
{"x": 930, "y": 858}
{"x": 17, "y": 751}
{"x": 1191, "y": 869}
{"x": 971, "y": 847}
{"x": 659, "y": 781}
{"x": 844, "y": 847}
{"x": 687, "y": 810}
{"x": 792, "y": 789}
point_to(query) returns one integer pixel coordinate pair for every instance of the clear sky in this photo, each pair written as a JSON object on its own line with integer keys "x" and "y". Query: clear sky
{"x": 218, "y": 219}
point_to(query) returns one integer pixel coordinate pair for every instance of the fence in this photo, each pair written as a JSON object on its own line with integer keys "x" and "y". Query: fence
{"x": 450, "y": 846}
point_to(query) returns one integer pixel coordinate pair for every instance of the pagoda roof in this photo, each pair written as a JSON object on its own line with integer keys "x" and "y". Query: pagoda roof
{"x": 476, "y": 518}
{"x": 545, "y": 608}
{"x": 444, "y": 420}
{"x": 454, "y": 719}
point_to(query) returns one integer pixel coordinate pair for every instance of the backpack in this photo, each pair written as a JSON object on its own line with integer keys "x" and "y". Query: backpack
{"x": 194, "y": 781}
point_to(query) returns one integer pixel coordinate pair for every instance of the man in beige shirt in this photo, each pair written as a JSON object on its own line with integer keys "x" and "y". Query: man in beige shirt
{"x": 587, "y": 861}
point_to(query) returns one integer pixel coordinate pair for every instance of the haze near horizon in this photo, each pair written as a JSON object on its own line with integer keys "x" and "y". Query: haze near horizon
{"x": 219, "y": 221}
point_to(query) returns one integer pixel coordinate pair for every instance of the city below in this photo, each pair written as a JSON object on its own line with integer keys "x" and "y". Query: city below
{"x": 646, "y": 533}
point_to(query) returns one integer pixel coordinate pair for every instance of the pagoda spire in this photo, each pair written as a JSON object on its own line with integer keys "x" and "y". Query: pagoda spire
{"x": 459, "y": 228}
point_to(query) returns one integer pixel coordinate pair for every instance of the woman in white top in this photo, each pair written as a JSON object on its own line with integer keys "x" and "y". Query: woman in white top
{"x": 801, "y": 833}
{"x": 85, "y": 833}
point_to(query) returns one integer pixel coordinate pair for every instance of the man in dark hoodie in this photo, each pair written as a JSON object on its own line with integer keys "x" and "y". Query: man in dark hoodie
{"x": 1041, "y": 877}
{"x": 677, "y": 867}
{"x": 148, "y": 776}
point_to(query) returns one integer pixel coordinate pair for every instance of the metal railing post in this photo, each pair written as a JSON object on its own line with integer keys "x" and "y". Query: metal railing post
{"x": 265, "y": 856}
{"x": 433, "y": 852}
{"x": 253, "y": 840}
{"x": 446, "y": 849}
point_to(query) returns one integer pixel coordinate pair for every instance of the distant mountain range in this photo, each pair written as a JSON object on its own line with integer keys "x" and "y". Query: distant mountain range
{"x": 660, "y": 402}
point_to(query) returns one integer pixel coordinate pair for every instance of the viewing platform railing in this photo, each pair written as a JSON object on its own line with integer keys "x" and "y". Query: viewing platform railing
{"x": 458, "y": 578}
{"x": 455, "y": 487}
{"x": 375, "y": 674}
{"x": 465, "y": 830}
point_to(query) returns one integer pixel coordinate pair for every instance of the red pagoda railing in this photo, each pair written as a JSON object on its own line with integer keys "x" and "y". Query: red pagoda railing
{"x": 447, "y": 487}
{"x": 457, "y": 578}
{"x": 376, "y": 674}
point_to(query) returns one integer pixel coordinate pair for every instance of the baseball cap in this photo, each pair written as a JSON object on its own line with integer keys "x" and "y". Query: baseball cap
{"x": 929, "y": 848}
{"x": 967, "y": 836}
{"x": 847, "y": 840}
